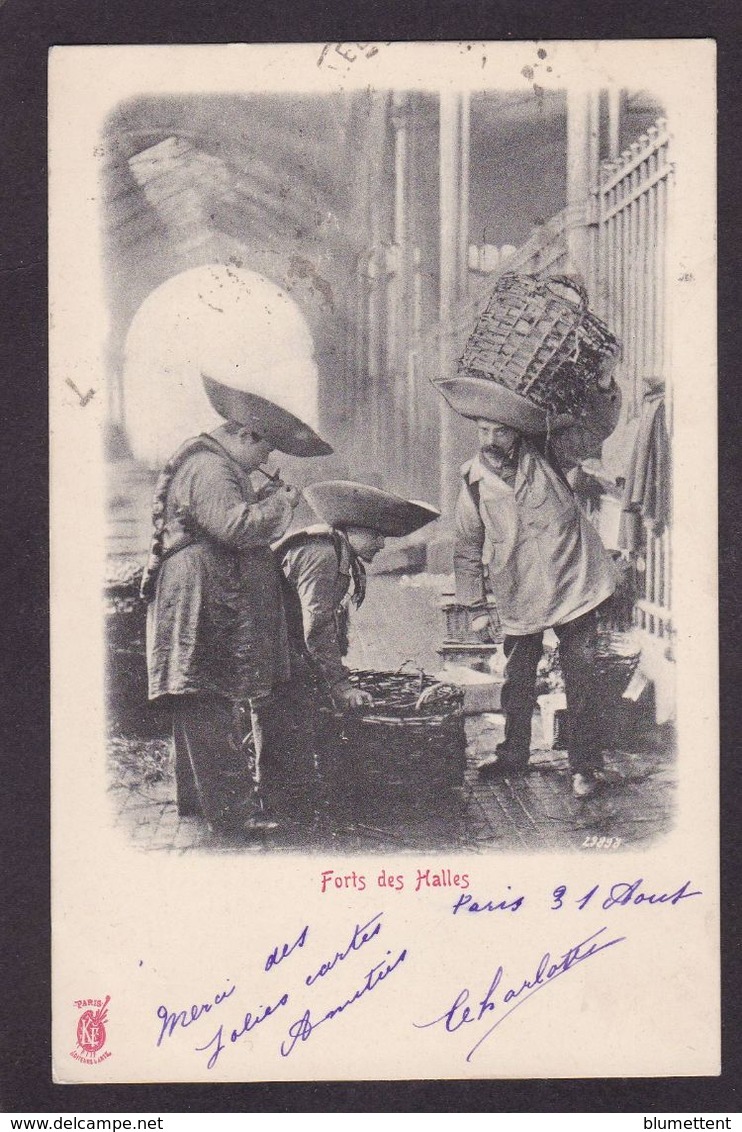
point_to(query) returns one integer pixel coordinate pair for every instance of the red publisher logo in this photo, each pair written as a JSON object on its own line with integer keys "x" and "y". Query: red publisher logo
{"x": 91, "y": 1030}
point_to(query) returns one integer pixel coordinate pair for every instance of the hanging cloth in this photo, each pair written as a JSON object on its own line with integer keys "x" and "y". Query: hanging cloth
{"x": 647, "y": 494}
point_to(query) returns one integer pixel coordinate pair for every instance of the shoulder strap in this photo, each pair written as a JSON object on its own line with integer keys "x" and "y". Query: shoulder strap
{"x": 293, "y": 538}
{"x": 357, "y": 569}
{"x": 473, "y": 489}
{"x": 339, "y": 542}
{"x": 471, "y": 486}
{"x": 542, "y": 444}
{"x": 156, "y": 557}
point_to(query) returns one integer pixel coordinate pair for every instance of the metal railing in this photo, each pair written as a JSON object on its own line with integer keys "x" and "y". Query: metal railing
{"x": 628, "y": 286}
{"x": 627, "y": 270}
{"x": 547, "y": 250}
{"x": 652, "y": 611}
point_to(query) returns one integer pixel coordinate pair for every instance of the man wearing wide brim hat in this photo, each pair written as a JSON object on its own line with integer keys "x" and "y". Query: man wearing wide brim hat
{"x": 324, "y": 571}
{"x": 216, "y": 628}
{"x": 521, "y": 535}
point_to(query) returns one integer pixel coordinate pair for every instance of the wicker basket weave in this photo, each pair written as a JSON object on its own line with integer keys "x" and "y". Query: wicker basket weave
{"x": 538, "y": 338}
{"x": 412, "y": 736}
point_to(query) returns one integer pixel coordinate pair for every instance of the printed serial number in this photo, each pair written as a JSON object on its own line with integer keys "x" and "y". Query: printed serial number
{"x": 592, "y": 841}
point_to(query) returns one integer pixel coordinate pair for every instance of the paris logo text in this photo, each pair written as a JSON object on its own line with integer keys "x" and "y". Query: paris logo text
{"x": 91, "y": 1031}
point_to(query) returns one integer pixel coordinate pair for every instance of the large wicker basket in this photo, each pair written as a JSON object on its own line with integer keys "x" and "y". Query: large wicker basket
{"x": 411, "y": 740}
{"x": 538, "y": 338}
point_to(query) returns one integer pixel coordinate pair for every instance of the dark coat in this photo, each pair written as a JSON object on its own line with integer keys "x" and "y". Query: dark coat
{"x": 216, "y": 623}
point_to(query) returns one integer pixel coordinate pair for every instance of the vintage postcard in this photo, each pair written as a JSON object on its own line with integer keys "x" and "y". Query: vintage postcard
{"x": 383, "y": 607}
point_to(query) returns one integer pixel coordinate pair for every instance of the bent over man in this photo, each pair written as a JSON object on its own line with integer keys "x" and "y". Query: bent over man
{"x": 216, "y": 631}
{"x": 324, "y": 571}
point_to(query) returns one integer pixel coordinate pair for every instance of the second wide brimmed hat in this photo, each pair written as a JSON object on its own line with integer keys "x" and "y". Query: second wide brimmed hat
{"x": 342, "y": 503}
{"x": 285, "y": 431}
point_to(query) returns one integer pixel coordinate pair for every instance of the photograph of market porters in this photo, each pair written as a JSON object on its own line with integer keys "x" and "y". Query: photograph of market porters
{"x": 388, "y": 461}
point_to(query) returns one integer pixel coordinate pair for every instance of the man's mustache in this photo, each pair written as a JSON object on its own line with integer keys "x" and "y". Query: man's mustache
{"x": 492, "y": 446}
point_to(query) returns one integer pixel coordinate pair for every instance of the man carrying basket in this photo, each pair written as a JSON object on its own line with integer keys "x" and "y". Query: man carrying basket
{"x": 537, "y": 377}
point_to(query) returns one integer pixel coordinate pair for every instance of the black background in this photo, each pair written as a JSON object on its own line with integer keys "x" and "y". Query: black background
{"x": 27, "y": 29}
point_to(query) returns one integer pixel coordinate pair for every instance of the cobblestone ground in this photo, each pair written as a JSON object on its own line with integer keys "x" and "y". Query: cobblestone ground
{"x": 534, "y": 812}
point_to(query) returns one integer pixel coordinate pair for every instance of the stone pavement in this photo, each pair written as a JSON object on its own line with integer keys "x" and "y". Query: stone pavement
{"x": 534, "y": 812}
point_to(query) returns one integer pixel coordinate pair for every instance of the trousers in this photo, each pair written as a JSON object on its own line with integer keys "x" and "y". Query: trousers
{"x": 577, "y": 645}
{"x": 301, "y": 758}
{"x": 285, "y": 731}
{"x": 212, "y": 775}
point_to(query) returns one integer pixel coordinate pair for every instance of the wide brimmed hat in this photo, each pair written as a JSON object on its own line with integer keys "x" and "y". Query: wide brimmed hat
{"x": 480, "y": 399}
{"x": 342, "y": 503}
{"x": 285, "y": 431}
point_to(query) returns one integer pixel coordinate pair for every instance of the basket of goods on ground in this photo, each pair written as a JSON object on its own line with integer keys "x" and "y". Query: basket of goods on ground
{"x": 411, "y": 740}
{"x": 626, "y": 721}
{"x": 538, "y": 340}
{"x": 128, "y": 710}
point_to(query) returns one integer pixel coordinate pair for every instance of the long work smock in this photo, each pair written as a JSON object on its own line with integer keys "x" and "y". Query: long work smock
{"x": 216, "y": 623}
{"x": 543, "y": 560}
